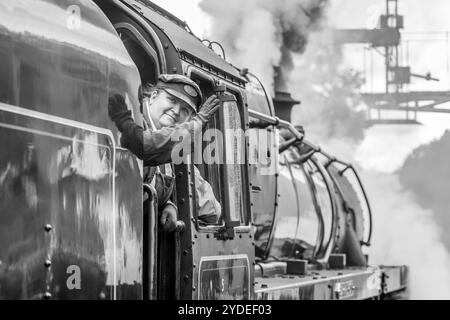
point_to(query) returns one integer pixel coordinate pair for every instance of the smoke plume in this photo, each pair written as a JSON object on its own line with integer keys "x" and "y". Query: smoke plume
{"x": 329, "y": 91}
{"x": 261, "y": 34}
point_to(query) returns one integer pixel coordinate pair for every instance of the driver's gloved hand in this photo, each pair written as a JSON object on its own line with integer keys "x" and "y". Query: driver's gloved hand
{"x": 168, "y": 218}
{"x": 208, "y": 108}
{"x": 118, "y": 111}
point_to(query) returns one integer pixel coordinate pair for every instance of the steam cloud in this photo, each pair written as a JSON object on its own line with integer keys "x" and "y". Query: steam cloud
{"x": 263, "y": 34}
{"x": 260, "y": 34}
{"x": 405, "y": 233}
{"x": 426, "y": 172}
{"x": 328, "y": 90}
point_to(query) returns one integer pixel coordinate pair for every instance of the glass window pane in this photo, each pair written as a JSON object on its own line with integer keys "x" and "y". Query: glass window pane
{"x": 208, "y": 181}
{"x": 224, "y": 177}
{"x": 234, "y": 158}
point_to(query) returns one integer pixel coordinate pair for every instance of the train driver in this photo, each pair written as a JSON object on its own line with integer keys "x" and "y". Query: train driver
{"x": 172, "y": 109}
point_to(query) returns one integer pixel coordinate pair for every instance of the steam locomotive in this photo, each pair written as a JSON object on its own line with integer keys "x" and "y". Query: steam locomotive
{"x": 76, "y": 220}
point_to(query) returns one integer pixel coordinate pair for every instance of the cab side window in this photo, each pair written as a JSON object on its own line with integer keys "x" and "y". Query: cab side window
{"x": 222, "y": 161}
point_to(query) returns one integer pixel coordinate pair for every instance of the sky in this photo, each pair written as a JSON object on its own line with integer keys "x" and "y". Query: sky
{"x": 385, "y": 147}
{"x": 188, "y": 11}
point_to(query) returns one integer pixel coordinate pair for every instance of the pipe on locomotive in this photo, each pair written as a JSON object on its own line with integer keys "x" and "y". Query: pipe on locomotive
{"x": 275, "y": 121}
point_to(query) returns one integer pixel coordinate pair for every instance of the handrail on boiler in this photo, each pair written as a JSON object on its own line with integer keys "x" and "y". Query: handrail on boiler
{"x": 275, "y": 121}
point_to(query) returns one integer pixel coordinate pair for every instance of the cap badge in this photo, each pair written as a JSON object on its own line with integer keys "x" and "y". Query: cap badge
{"x": 190, "y": 91}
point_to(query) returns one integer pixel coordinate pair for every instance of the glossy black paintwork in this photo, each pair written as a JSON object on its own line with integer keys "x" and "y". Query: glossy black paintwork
{"x": 67, "y": 175}
{"x": 185, "y": 42}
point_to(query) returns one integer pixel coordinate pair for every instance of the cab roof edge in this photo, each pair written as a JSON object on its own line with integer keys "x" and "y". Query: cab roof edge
{"x": 150, "y": 5}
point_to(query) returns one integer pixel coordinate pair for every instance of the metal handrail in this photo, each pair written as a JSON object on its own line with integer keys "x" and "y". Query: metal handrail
{"x": 152, "y": 244}
{"x": 275, "y": 121}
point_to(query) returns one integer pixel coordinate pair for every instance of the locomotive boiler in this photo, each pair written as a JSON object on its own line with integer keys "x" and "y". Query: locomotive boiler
{"x": 76, "y": 219}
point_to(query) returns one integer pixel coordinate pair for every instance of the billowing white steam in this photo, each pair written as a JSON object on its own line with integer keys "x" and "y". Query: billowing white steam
{"x": 404, "y": 233}
{"x": 254, "y": 32}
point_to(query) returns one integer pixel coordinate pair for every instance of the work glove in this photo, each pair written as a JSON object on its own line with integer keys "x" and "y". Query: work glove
{"x": 118, "y": 111}
{"x": 208, "y": 108}
{"x": 168, "y": 219}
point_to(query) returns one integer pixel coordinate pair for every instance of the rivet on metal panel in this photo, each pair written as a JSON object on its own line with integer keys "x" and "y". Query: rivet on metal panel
{"x": 185, "y": 252}
{"x": 195, "y": 236}
{"x": 48, "y": 227}
{"x": 102, "y": 296}
{"x": 207, "y": 236}
{"x": 166, "y": 46}
{"x": 47, "y": 263}
{"x": 186, "y": 278}
{"x": 182, "y": 200}
{"x": 193, "y": 288}
{"x": 250, "y": 236}
{"x": 174, "y": 70}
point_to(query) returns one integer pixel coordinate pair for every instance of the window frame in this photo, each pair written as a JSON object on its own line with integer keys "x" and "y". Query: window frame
{"x": 142, "y": 41}
{"x": 240, "y": 227}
